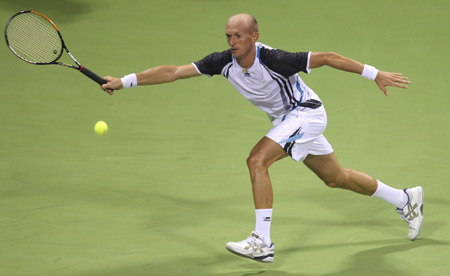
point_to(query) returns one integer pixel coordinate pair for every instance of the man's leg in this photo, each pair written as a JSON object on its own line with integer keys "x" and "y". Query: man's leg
{"x": 409, "y": 202}
{"x": 259, "y": 246}
{"x": 262, "y": 156}
{"x": 327, "y": 168}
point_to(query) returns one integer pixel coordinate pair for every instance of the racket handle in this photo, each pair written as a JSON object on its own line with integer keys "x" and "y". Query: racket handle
{"x": 92, "y": 75}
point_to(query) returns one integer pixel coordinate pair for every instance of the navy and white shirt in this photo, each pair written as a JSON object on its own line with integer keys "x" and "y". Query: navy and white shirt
{"x": 271, "y": 83}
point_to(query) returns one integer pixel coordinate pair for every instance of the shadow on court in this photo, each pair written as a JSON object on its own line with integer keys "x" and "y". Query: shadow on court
{"x": 372, "y": 261}
{"x": 366, "y": 262}
{"x": 61, "y": 11}
{"x": 375, "y": 261}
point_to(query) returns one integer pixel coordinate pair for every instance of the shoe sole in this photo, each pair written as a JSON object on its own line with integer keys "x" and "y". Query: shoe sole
{"x": 264, "y": 259}
{"x": 421, "y": 194}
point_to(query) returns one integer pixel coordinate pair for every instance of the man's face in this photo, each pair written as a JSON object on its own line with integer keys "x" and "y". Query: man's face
{"x": 240, "y": 40}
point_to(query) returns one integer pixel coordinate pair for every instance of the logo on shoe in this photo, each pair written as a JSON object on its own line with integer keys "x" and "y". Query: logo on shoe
{"x": 256, "y": 248}
{"x": 411, "y": 214}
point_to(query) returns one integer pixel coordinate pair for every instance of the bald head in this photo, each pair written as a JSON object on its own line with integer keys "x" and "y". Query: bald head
{"x": 242, "y": 33}
{"x": 244, "y": 20}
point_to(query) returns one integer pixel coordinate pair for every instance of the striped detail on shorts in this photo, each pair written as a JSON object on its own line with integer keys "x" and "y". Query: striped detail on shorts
{"x": 289, "y": 145}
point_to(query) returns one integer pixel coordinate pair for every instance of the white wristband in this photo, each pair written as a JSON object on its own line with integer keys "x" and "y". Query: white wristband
{"x": 129, "y": 81}
{"x": 369, "y": 72}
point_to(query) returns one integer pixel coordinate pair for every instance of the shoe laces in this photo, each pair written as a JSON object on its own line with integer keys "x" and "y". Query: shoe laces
{"x": 402, "y": 215}
{"x": 400, "y": 210}
{"x": 251, "y": 240}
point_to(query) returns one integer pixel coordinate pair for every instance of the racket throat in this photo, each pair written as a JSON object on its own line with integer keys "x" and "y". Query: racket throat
{"x": 73, "y": 58}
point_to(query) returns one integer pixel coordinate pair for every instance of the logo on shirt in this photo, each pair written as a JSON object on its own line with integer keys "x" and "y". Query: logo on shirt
{"x": 246, "y": 73}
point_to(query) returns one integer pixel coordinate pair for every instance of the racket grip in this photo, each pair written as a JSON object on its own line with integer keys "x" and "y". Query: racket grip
{"x": 92, "y": 75}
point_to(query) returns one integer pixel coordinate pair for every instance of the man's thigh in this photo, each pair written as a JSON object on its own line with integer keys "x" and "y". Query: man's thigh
{"x": 267, "y": 151}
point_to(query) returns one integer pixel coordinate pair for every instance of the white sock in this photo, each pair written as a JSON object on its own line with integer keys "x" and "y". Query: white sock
{"x": 263, "y": 220}
{"x": 396, "y": 197}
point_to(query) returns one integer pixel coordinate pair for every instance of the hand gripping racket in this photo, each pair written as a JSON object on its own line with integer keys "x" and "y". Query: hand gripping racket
{"x": 34, "y": 38}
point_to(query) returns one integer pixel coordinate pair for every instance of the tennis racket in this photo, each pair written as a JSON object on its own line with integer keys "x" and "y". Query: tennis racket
{"x": 34, "y": 38}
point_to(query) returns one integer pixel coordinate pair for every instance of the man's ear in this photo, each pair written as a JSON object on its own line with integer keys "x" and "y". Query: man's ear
{"x": 255, "y": 36}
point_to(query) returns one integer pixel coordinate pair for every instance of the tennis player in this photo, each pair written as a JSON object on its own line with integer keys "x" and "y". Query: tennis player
{"x": 268, "y": 78}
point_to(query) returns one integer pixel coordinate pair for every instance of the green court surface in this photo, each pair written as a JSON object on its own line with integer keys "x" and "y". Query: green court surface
{"x": 167, "y": 186}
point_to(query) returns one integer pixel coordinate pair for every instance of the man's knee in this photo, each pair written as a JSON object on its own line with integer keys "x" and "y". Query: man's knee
{"x": 255, "y": 161}
{"x": 264, "y": 154}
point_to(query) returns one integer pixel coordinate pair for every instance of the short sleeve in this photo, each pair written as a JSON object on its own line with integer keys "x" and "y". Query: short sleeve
{"x": 285, "y": 63}
{"x": 213, "y": 63}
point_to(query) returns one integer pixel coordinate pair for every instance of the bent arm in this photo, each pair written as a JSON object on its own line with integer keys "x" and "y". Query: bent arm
{"x": 156, "y": 75}
{"x": 383, "y": 79}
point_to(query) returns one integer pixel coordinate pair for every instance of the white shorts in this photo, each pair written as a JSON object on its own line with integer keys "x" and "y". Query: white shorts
{"x": 300, "y": 133}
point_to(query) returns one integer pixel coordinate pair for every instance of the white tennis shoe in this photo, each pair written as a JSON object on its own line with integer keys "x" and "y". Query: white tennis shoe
{"x": 412, "y": 213}
{"x": 254, "y": 248}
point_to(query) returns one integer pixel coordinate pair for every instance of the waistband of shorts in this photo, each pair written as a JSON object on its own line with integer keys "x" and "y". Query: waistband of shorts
{"x": 311, "y": 103}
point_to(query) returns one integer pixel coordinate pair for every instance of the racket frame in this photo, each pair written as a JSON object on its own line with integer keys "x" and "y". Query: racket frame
{"x": 78, "y": 66}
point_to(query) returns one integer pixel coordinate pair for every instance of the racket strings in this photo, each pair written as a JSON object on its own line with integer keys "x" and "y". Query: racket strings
{"x": 33, "y": 38}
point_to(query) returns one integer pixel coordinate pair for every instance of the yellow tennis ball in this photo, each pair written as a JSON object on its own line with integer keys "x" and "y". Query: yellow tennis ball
{"x": 101, "y": 127}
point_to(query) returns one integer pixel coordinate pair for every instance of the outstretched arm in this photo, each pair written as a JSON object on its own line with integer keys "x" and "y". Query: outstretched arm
{"x": 155, "y": 75}
{"x": 383, "y": 79}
